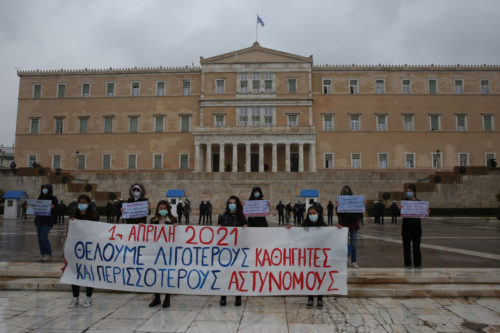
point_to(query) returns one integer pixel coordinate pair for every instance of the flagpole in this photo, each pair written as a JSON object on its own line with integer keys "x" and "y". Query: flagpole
{"x": 256, "y": 30}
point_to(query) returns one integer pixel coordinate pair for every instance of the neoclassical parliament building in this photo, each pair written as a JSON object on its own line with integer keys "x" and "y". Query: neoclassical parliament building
{"x": 259, "y": 110}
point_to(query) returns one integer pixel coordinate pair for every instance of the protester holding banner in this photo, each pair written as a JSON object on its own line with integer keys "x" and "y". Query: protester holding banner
{"x": 44, "y": 223}
{"x": 84, "y": 211}
{"x": 232, "y": 217}
{"x": 163, "y": 215}
{"x": 350, "y": 220}
{"x": 257, "y": 221}
{"x": 137, "y": 193}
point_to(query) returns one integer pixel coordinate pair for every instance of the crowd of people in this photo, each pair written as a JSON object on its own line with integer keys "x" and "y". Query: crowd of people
{"x": 232, "y": 216}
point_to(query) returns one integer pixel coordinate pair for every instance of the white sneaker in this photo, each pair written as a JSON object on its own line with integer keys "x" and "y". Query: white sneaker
{"x": 87, "y": 302}
{"x": 48, "y": 257}
{"x": 74, "y": 302}
{"x": 355, "y": 265}
{"x": 42, "y": 257}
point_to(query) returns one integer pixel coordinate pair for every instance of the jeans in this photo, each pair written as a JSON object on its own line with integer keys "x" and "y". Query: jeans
{"x": 43, "y": 239}
{"x": 353, "y": 235}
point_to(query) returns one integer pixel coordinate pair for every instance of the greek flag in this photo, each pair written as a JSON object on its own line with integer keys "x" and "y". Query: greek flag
{"x": 259, "y": 21}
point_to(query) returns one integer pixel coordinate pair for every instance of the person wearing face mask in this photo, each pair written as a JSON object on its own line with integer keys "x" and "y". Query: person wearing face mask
{"x": 84, "y": 211}
{"x": 257, "y": 221}
{"x": 45, "y": 223}
{"x": 232, "y": 217}
{"x": 350, "y": 220}
{"x": 137, "y": 193}
{"x": 163, "y": 215}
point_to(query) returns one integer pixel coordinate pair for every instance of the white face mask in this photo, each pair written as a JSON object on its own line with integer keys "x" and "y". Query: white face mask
{"x": 136, "y": 193}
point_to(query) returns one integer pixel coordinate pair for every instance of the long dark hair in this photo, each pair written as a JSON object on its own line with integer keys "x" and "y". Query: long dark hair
{"x": 239, "y": 209}
{"x": 309, "y": 223}
{"x": 169, "y": 211}
{"x": 256, "y": 189}
{"x": 90, "y": 213}
{"x": 346, "y": 187}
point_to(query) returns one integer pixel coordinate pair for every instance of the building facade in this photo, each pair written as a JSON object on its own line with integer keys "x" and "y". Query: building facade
{"x": 259, "y": 110}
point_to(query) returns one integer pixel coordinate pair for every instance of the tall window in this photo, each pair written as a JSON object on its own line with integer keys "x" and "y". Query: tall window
{"x": 84, "y": 125}
{"x": 108, "y": 124}
{"x": 410, "y": 160}
{"x": 489, "y": 157}
{"x": 243, "y": 117}
{"x": 61, "y": 90}
{"x": 159, "y": 123}
{"x": 133, "y": 124}
{"x": 292, "y": 86}
{"x": 381, "y": 122}
{"x": 85, "y": 89}
{"x": 327, "y": 86}
{"x": 355, "y": 160}
{"x": 380, "y": 86}
{"x": 220, "y": 86}
{"x": 255, "y": 116}
{"x": 406, "y": 86}
{"x": 382, "y": 160}
{"x": 268, "y": 83}
{"x": 160, "y": 88}
{"x": 31, "y": 160}
{"x": 329, "y": 160}
{"x": 219, "y": 120}
{"x": 353, "y": 87}
{"x": 408, "y": 122}
{"x": 327, "y": 122}
{"x": 37, "y": 90}
{"x": 459, "y": 87}
{"x": 110, "y": 89}
{"x": 186, "y": 87}
{"x": 81, "y": 161}
{"x": 463, "y": 159}
{"x": 268, "y": 116}
{"x": 106, "y": 162}
{"x": 485, "y": 86}
{"x": 243, "y": 83}
{"x": 355, "y": 122}
{"x": 461, "y": 122}
{"x": 158, "y": 161}
{"x": 136, "y": 88}
{"x": 435, "y": 122}
{"x": 34, "y": 124}
{"x": 436, "y": 160}
{"x": 487, "y": 123}
{"x": 432, "y": 86}
{"x": 183, "y": 161}
{"x": 293, "y": 120}
{"x": 185, "y": 123}
{"x": 132, "y": 161}
{"x": 58, "y": 125}
{"x": 56, "y": 162}
{"x": 256, "y": 83}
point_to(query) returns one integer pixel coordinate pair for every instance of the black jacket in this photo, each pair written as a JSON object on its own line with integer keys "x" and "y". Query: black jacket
{"x": 230, "y": 220}
{"x": 47, "y": 220}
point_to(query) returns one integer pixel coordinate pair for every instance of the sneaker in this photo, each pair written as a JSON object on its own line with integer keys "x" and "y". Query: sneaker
{"x": 74, "y": 302}
{"x": 408, "y": 267}
{"x": 355, "y": 265}
{"x": 42, "y": 257}
{"x": 87, "y": 302}
{"x": 418, "y": 267}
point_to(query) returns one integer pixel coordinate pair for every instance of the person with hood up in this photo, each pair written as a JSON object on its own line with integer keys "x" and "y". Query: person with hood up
{"x": 137, "y": 193}
{"x": 45, "y": 223}
{"x": 350, "y": 220}
{"x": 232, "y": 217}
{"x": 257, "y": 221}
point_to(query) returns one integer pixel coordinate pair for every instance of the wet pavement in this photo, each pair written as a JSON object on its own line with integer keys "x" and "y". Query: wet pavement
{"x": 446, "y": 242}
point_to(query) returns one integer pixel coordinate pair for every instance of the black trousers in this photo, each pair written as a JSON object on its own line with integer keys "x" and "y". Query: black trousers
{"x": 412, "y": 234}
{"x": 76, "y": 291}
{"x": 330, "y": 219}
{"x": 281, "y": 218}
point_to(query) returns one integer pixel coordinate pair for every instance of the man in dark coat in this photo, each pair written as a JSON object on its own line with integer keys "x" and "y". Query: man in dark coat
{"x": 201, "y": 218}
{"x": 180, "y": 209}
{"x": 281, "y": 212}
{"x": 329, "y": 209}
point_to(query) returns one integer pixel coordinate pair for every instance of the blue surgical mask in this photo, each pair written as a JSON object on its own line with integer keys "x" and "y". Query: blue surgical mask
{"x": 409, "y": 195}
{"x": 313, "y": 218}
{"x": 232, "y": 207}
{"x": 82, "y": 207}
{"x": 45, "y": 191}
{"x": 163, "y": 212}
{"x": 256, "y": 195}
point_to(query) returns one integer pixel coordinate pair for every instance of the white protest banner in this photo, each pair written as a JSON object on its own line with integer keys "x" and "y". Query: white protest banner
{"x": 256, "y": 207}
{"x": 134, "y": 210}
{"x": 414, "y": 208}
{"x": 206, "y": 260}
{"x": 351, "y": 203}
{"x": 38, "y": 207}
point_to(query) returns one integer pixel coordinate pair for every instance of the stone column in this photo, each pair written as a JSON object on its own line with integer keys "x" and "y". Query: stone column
{"x": 222, "y": 159}
{"x": 209, "y": 157}
{"x": 301, "y": 157}
{"x": 235, "y": 157}
{"x": 287, "y": 157}
{"x": 261, "y": 157}
{"x": 312, "y": 157}
{"x": 247, "y": 158}
{"x": 197, "y": 158}
{"x": 275, "y": 157}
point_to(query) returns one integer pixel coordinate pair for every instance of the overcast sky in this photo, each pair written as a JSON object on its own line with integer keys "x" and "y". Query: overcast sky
{"x": 54, "y": 34}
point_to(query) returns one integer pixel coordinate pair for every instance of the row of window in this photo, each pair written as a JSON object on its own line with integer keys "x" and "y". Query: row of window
{"x": 409, "y": 158}
{"x": 261, "y": 83}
